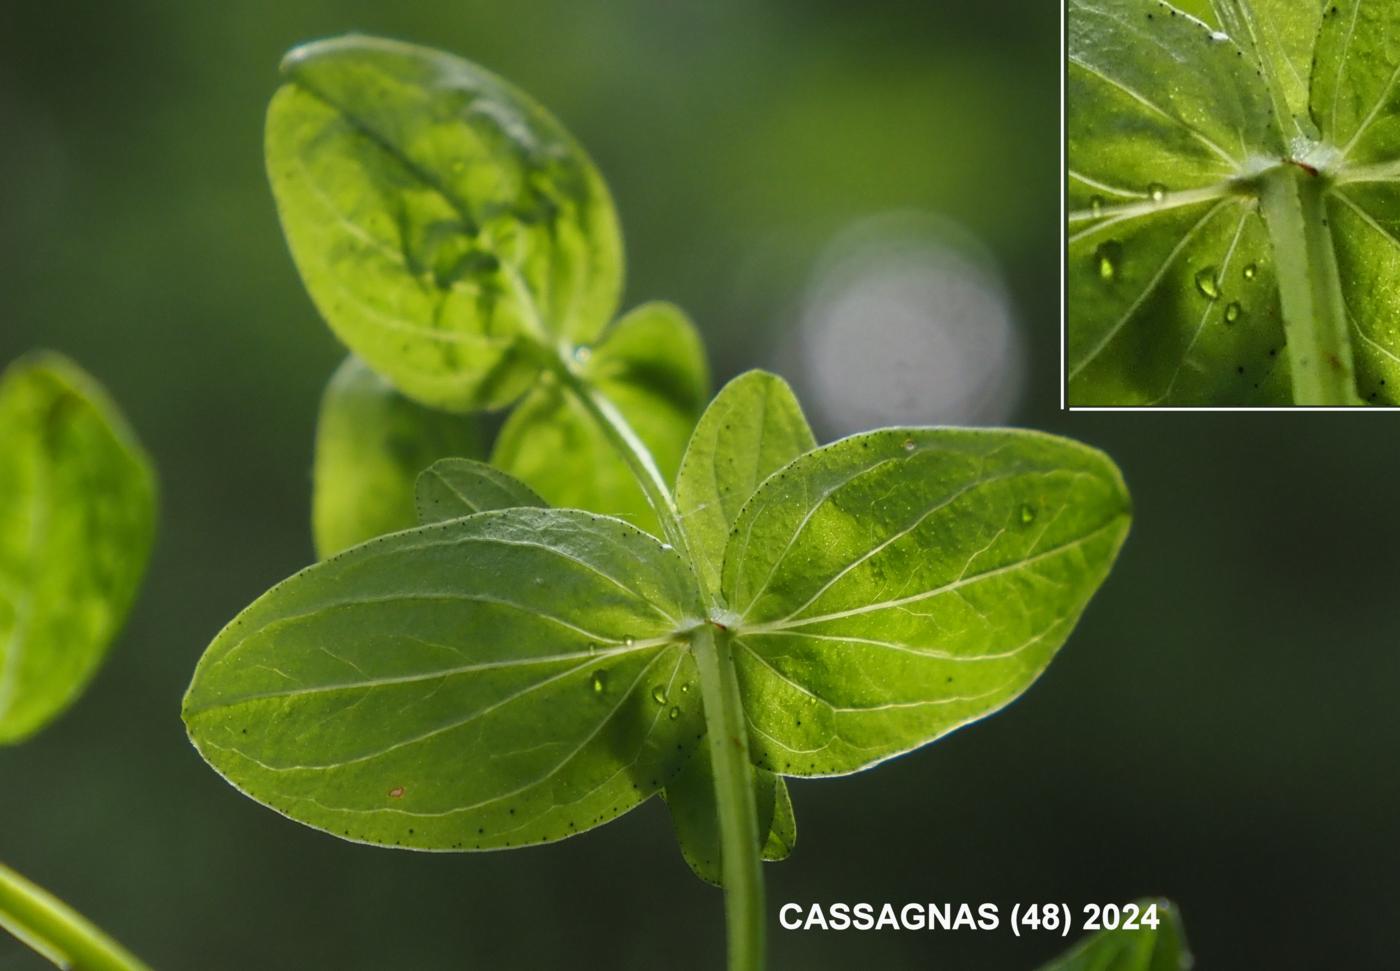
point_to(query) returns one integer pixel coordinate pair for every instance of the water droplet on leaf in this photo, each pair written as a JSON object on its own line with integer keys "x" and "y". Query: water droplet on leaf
{"x": 909, "y": 445}
{"x": 1208, "y": 283}
{"x": 1157, "y": 191}
{"x": 1251, "y": 271}
{"x": 1232, "y": 313}
{"x": 658, "y": 695}
{"x": 582, "y": 353}
{"x": 1108, "y": 258}
{"x": 600, "y": 682}
{"x": 628, "y": 641}
{"x": 1027, "y": 514}
{"x": 1096, "y": 206}
{"x": 675, "y": 713}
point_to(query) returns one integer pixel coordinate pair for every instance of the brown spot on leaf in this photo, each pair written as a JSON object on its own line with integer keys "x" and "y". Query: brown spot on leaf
{"x": 396, "y": 792}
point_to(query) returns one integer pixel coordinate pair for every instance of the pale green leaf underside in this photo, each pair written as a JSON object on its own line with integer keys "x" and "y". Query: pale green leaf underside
{"x": 77, "y": 518}
{"x": 753, "y": 427}
{"x": 1169, "y": 121}
{"x": 453, "y": 488}
{"x": 371, "y": 443}
{"x": 482, "y": 683}
{"x": 690, "y": 797}
{"x": 438, "y": 217}
{"x": 651, "y": 366}
{"x": 1143, "y": 949}
{"x": 896, "y": 585}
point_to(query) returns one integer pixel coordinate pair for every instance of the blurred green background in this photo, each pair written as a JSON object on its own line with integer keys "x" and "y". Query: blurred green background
{"x": 1221, "y": 729}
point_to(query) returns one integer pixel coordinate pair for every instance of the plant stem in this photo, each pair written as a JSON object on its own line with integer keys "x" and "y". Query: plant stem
{"x": 740, "y": 860}
{"x": 57, "y": 931}
{"x": 634, "y": 453}
{"x": 740, "y": 863}
{"x": 1314, "y": 316}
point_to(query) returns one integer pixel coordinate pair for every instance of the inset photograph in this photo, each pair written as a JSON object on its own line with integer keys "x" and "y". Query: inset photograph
{"x": 1232, "y": 204}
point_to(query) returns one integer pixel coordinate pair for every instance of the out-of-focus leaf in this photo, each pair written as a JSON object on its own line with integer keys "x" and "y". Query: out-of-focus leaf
{"x": 651, "y": 366}
{"x": 371, "y": 444}
{"x": 77, "y": 518}
{"x": 442, "y": 221}
{"x": 1147, "y": 948}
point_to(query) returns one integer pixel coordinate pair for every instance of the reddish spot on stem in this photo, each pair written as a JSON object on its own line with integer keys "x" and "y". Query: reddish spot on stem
{"x": 396, "y": 792}
{"x": 1311, "y": 170}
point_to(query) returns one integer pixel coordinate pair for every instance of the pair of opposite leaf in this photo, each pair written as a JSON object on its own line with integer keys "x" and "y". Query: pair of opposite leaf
{"x": 1188, "y": 283}
{"x": 77, "y": 518}
{"x": 515, "y": 674}
{"x": 507, "y": 673}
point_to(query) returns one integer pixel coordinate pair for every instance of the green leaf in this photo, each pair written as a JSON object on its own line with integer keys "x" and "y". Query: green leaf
{"x": 690, "y": 797}
{"x": 1234, "y": 220}
{"x": 753, "y": 428}
{"x": 77, "y": 518}
{"x": 1145, "y": 949}
{"x": 1356, "y": 103}
{"x": 454, "y": 488}
{"x": 371, "y": 443}
{"x": 444, "y": 224}
{"x": 486, "y": 682}
{"x": 1170, "y": 283}
{"x": 898, "y": 584}
{"x": 1281, "y": 34}
{"x": 651, "y": 366}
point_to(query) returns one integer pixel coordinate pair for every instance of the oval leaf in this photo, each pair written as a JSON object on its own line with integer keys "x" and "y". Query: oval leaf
{"x": 454, "y": 488}
{"x": 371, "y": 444}
{"x": 77, "y": 517}
{"x": 1170, "y": 280}
{"x": 441, "y": 220}
{"x": 753, "y": 428}
{"x": 486, "y": 682}
{"x": 1160, "y": 948}
{"x": 896, "y": 585}
{"x": 651, "y": 366}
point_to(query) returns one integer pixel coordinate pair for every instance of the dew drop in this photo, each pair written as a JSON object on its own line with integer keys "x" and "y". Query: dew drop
{"x": 675, "y": 713}
{"x": 909, "y": 445}
{"x": 592, "y": 648}
{"x": 1096, "y": 206}
{"x": 658, "y": 695}
{"x": 1208, "y": 283}
{"x": 685, "y": 688}
{"x": 628, "y": 641}
{"x": 582, "y": 353}
{"x": 1232, "y": 313}
{"x": 1027, "y": 514}
{"x": 1251, "y": 271}
{"x": 1108, "y": 258}
{"x": 600, "y": 682}
{"x": 1157, "y": 191}
{"x": 1218, "y": 37}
